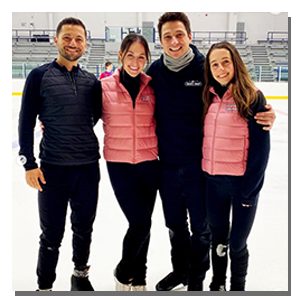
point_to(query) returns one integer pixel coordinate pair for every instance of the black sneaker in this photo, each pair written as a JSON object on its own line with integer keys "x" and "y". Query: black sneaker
{"x": 172, "y": 281}
{"x": 195, "y": 285}
{"x": 80, "y": 280}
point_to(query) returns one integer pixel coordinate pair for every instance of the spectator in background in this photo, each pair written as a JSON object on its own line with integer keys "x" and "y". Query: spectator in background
{"x": 109, "y": 70}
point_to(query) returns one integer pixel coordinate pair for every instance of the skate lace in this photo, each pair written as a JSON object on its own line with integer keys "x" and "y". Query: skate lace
{"x": 81, "y": 274}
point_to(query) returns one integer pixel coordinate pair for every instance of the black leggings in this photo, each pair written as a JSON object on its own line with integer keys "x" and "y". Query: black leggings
{"x": 221, "y": 196}
{"x": 135, "y": 187}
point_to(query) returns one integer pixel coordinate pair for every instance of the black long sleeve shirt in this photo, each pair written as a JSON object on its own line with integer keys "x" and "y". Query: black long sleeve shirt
{"x": 131, "y": 84}
{"x": 69, "y": 104}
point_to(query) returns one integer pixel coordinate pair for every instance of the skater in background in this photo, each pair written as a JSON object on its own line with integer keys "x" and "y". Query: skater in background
{"x": 130, "y": 149}
{"x": 235, "y": 156}
{"x": 108, "y": 70}
{"x": 67, "y": 100}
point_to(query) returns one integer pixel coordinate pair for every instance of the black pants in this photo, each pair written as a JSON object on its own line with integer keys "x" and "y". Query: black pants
{"x": 182, "y": 190}
{"x": 79, "y": 186}
{"x": 222, "y": 200}
{"x": 135, "y": 187}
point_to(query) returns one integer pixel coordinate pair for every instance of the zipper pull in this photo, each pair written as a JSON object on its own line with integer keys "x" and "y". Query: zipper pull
{"x": 72, "y": 79}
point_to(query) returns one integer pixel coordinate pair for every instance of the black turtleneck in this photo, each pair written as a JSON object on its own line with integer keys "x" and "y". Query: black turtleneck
{"x": 220, "y": 89}
{"x": 131, "y": 84}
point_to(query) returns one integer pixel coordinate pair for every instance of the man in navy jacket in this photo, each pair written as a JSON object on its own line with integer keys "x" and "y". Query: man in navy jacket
{"x": 178, "y": 80}
{"x": 67, "y": 100}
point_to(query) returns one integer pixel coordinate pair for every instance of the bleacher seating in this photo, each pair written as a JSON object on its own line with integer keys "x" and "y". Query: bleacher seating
{"x": 275, "y": 38}
{"x": 266, "y": 61}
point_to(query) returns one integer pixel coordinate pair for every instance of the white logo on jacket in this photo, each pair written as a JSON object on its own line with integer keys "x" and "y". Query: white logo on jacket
{"x": 193, "y": 83}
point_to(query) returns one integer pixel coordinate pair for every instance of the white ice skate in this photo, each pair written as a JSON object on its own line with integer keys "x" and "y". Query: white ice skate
{"x": 122, "y": 287}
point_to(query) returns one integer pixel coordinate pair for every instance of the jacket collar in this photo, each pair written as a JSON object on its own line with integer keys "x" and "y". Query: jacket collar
{"x": 192, "y": 68}
{"x": 64, "y": 69}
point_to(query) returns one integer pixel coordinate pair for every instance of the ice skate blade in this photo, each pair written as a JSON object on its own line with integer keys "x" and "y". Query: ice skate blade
{"x": 180, "y": 287}
{"x": 139, "y": 288}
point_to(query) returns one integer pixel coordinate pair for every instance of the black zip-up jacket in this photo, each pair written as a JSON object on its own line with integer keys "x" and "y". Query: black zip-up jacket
{"x": 179, "y": 109}
{"x": 69, "y": 104}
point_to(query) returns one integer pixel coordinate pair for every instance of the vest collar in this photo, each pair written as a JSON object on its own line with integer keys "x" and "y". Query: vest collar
{"x": 226, "y": 96}
{"x": 144, "y": 77}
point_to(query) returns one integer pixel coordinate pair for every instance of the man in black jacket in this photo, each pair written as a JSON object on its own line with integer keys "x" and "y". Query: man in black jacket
{"x": 178, "y": 80}
{"x": 67, "y": 100}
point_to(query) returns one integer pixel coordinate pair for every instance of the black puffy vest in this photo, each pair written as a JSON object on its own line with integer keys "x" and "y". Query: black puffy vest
{"x": 66, "y": 110}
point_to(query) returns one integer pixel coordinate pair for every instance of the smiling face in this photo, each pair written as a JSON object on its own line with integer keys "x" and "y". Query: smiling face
{"x": 134, "y": 59}
{"x": 71, "y": 44}
{"x": 174, "y": 39}
{"x": 221, "y": 65}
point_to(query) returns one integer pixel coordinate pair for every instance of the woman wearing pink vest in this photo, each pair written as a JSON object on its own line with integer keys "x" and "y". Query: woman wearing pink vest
{"x": 130, "y": 149}
{"x": 235, "y": 156}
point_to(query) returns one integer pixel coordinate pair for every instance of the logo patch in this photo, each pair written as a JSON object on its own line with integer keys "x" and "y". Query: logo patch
{"x": 231, "y": 107}
{"x": 193, "y": 83}
{"x": 21, "y": 160}
{"x": 145, "y": 98}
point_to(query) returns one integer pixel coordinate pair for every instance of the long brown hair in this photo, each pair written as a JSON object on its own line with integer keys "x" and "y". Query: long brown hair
{"x": 243, "y": 89}
{"x": 129, "y": 40}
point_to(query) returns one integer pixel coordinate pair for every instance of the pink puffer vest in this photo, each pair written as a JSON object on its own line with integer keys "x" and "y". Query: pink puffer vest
{"x": 226, "y": 138}
{"x": 129, "y": 133}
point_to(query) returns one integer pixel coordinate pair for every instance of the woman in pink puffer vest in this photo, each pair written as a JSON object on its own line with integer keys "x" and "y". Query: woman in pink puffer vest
{"x": 130, "y": 149}
{"x": 235, "y": 156}
{"x": 129, "y": 131}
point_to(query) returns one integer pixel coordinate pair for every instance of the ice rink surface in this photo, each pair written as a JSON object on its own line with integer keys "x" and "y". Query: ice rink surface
{"x": 268, "y": 243}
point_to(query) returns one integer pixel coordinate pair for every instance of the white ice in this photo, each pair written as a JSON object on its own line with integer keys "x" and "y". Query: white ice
{"x": 268, "y": 242}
